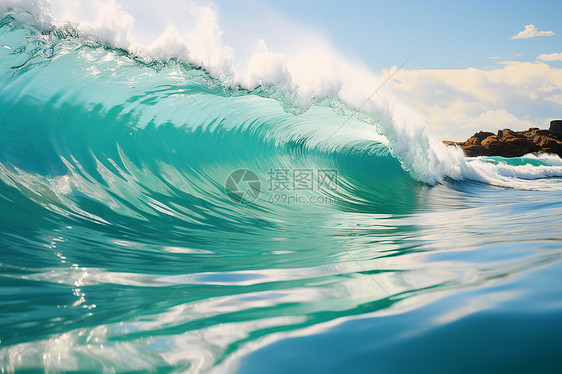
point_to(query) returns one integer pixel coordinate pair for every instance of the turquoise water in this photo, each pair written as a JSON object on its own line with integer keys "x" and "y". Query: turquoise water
{"x": 122, "y": 250}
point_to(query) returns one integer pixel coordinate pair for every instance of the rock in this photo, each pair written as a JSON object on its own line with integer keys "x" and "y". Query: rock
{"x": 476, "y": 150}
{"x": 510, "y": 146}
{"x": 549, "y": 145}
{"x": 556, "y": 126}
{"x": 509, "y": 143}
{"x": 491, "y": 141}
{"x": 517, "y": 147}
{"x": 531, "y": 133}
{"x": 473, "y": 141}
{"x": 481, "y": 135}
{"x": 507, "y": 133}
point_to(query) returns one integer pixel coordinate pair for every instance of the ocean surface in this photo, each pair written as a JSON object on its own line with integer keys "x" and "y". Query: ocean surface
{"x": 156, "y": 218}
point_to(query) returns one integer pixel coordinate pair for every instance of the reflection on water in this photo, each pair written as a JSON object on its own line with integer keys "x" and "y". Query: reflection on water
{"x": 449, "y": 267}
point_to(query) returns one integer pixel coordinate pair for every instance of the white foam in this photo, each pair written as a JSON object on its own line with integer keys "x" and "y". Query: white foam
{"x": 548, "y": 158}
{"x": 517, "y": 176}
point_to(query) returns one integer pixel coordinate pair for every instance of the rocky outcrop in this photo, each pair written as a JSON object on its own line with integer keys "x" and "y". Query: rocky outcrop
{"x": 509, "y": 143}
{"x": 556, "y": 126}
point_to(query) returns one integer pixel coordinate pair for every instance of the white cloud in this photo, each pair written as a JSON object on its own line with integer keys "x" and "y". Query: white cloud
{"x": 550, "y": 57}
{"x": 556, "y": 99}
{"x": 531, "y": 31}
{"x": 457, "y": 122}
{"x": 457, "y": 103}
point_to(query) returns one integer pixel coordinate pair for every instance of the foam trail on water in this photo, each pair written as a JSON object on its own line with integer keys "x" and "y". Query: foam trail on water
{"x": 519, "y": 173}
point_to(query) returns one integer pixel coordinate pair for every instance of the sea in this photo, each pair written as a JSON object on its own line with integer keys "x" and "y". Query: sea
{"x": 157, "y": 215}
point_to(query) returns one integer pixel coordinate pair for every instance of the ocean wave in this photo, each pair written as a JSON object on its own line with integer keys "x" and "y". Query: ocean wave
{"x": 341, "y": 86}
{"x": 129, "y": 247}
{"x": 119, "y": 97}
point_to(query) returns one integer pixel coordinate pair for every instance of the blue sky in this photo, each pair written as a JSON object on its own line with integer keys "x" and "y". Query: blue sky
{"x": 441, "y": 34}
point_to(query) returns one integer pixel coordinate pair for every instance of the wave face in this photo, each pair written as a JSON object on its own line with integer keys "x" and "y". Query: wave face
{"x": 157, "y": 215}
